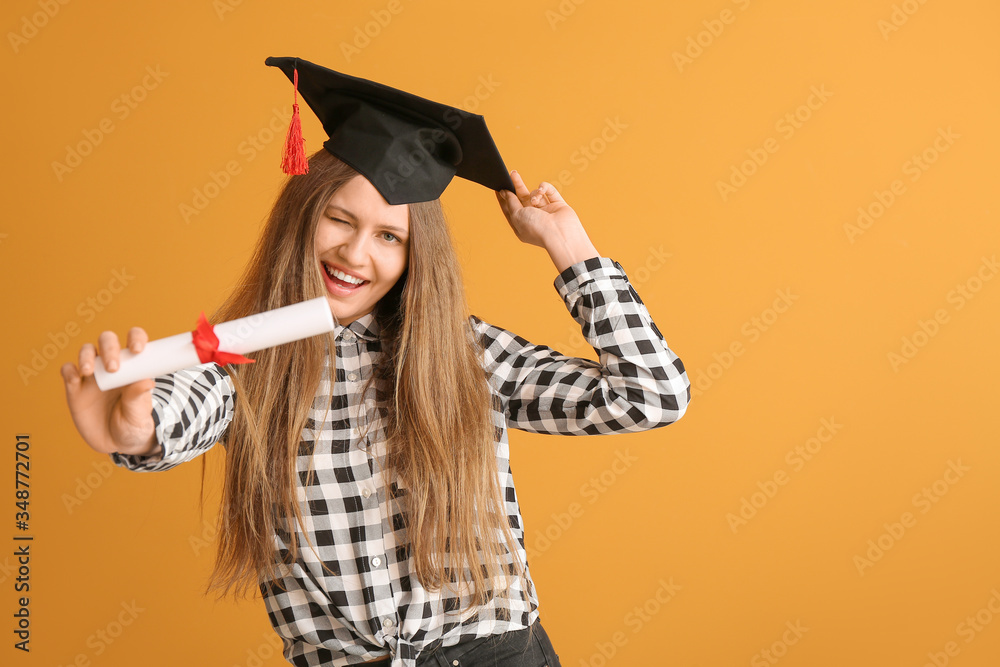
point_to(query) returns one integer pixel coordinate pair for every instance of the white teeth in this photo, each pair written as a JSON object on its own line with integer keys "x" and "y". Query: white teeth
{"x": 343, "y": 276}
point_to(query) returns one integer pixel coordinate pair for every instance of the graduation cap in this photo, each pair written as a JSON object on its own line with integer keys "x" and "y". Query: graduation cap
{"x": 407, "y": 146}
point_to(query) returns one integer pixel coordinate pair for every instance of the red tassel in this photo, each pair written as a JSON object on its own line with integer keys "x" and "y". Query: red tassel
{"x": 206, "y": 344}
{"x": 294, "y": 159}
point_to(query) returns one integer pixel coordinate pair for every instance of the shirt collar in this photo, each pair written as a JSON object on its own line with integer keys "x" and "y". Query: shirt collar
{"x": 366, "y": 327}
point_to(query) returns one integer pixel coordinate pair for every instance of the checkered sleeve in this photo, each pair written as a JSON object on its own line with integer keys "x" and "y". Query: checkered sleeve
{"x": 638, "y": 383}
{"x": 191, "y": 410}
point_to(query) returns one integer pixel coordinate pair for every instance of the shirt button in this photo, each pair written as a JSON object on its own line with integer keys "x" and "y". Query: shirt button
{"x": 348, "y": 336}
{"x": 366, "y": 492}
{"x": 352, "y": 376}
{"x": 387, "y": 623}
{"x": 376, "y": 561}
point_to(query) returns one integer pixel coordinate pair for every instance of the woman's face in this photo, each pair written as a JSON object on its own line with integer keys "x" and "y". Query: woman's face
{"x": 360, "y": 234}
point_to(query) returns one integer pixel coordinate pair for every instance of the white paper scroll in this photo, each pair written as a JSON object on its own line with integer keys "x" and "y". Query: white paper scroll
{"x": 242, "y": 336}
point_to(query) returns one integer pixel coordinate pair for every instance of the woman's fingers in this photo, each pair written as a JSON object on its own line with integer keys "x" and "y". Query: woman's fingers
{"x": 109, "y": 349}
{"x": 545, "y": 194}
{"x": 137, "y": 339}
{"x": 71, "y": 376}
{"x": 520, "y": 189}
{"x": 136, "y": 402}
{"x": 117, "y": 420}
{"x": 87, "y": 354}
{"x": 132, "y": 429}
{"x": 542, "y": 196}
{"x": 551, "y": 193}
{"x": 134, "y": 399}
{"x": 533, "y": 214}
{"x": 538, "y": 199}
{"x": 509, "y": 202}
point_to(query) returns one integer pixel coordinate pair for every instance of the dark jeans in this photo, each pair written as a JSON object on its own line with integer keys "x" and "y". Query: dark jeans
{"x": 529, "y": 647}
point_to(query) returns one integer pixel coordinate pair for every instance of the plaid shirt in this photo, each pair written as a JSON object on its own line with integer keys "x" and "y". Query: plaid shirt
{"x": 367, "y": 602}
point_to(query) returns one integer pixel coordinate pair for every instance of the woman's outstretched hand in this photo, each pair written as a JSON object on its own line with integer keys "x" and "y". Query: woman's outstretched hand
{"x": 541, "y": 217}
{"x": 117, "y": 420}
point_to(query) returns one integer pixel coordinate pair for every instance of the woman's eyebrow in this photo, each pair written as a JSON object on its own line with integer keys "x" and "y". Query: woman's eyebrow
{"x": 342, "y": 210}
{"x": 398, "y": 230}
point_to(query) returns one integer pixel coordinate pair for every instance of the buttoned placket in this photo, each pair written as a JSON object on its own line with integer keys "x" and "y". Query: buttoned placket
{"x": 352, "y": 373}
{"x": 368, "y": 478}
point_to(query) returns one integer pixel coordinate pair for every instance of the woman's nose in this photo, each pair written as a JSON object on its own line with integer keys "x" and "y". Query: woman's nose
{"x": 353, "y": 249}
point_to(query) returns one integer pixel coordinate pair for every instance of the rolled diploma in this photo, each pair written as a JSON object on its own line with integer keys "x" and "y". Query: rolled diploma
{"x": 242, "y": 336}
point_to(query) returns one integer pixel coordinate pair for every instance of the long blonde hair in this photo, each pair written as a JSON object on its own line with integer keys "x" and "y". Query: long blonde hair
{"x": 439, "y": 428}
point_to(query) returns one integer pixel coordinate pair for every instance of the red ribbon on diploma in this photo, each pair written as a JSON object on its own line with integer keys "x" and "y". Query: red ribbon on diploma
{"x": 206, "y": 343}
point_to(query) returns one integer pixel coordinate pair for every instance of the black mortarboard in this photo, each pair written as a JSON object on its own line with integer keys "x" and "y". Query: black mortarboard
{"x": 407, "y": 146}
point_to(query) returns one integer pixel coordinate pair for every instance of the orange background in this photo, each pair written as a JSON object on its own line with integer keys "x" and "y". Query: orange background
{"x": 550, "y": 77}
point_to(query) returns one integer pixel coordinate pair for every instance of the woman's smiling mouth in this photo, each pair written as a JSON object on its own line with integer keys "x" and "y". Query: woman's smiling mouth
{"x": 341, "y": 283}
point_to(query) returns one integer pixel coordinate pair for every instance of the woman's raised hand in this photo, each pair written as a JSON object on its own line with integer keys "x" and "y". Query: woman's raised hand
{"x": 541, "y": 217}
{"x": 117, "y": 420}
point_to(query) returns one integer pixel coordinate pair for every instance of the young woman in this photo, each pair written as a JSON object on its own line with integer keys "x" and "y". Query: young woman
{"x": 368, "y": 494}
